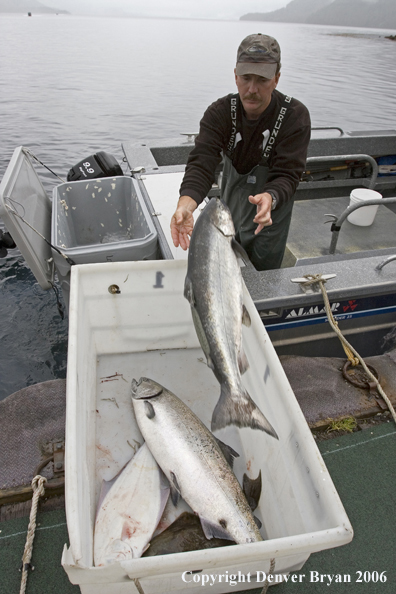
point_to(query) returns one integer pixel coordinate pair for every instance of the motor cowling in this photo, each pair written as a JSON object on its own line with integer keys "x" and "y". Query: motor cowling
{"x": 100, "y": 164}
{"x": 6, "y": 243}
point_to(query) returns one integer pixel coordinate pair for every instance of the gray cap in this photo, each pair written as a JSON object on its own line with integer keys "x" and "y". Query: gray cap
{"x": 258, "y": 54}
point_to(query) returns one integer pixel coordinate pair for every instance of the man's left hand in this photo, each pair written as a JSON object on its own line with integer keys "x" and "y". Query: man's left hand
{"x": 263, "y": 216}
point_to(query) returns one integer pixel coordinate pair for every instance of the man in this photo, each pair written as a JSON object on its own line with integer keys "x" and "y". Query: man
{"x": 263, "y": 137}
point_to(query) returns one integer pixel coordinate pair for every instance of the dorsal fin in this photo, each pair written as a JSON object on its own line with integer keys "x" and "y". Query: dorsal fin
{"x": 228, "y": 452}
{"x": 252, "y": 490}
{"x": 239, "y": 251}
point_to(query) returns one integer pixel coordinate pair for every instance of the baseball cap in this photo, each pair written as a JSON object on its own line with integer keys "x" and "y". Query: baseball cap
{"x": 258, "y": 54}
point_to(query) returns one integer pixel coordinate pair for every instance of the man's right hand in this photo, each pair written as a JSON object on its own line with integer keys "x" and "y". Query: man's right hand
{"x": 182, "y": 222}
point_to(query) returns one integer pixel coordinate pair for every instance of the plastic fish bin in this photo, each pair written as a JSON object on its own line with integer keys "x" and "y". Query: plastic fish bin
{"x": 100, "y": 220}
{"x": 129, "y": 320}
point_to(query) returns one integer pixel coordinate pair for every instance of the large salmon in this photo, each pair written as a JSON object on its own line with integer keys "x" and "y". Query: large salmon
{"x": 213, "y": 287}
{"x": 193, "y": 462}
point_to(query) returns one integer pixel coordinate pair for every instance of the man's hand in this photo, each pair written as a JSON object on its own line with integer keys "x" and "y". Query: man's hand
{"x": 182, "y": 222}
{"x": 263, "y": 216}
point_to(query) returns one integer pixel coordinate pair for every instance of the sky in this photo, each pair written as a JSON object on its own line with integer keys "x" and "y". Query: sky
{"x": 206, "y": 9}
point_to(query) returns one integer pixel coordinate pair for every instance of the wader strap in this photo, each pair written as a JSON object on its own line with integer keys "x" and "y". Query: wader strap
{"x": 231, "y": 143}
{"x": 267, "y": 148}
{"x": 267, "y": 145}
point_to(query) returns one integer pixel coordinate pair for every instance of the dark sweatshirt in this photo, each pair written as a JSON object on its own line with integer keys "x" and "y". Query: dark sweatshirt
{"x": 287, "y": 158}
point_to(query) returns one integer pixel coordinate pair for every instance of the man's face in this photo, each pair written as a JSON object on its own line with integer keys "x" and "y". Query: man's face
{"x": 255, "y": 93}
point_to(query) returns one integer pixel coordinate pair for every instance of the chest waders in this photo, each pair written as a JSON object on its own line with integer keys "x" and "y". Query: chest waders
{"x": 266, "y": 249}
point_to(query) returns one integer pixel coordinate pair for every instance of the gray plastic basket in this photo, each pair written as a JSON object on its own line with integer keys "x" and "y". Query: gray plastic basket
{"x": 100, "y": 220}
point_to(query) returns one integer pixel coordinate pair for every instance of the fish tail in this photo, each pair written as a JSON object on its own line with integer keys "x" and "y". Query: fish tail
{"x": 240, "y": 410}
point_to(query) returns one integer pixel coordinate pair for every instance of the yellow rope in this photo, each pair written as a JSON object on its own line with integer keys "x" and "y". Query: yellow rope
{"x": 38, "y": 491}
{"x": 351, "y": 353}
{"x": 138, "y": 585}
{"x": 271, "y": 572}
{"x": 317, "y": 278}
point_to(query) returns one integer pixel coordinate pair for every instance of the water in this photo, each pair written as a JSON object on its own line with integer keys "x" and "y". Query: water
{"x": 74, "y": 85}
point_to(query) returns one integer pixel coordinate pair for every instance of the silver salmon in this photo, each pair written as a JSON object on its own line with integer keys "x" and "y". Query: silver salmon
{"x": 213, "y": 287}
{"x": 193, "y": 462}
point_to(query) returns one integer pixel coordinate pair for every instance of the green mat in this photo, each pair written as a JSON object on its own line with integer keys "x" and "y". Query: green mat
{"x": 363, "y": 468}
{"x": 48, "y": 576}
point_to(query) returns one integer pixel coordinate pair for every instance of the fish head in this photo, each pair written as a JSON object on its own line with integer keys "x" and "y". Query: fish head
{"x": 145, "y": 388}
{"x": 220, "y": 216}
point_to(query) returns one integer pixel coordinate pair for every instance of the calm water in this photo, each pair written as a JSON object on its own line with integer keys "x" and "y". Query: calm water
{"x": 71, "y": 86}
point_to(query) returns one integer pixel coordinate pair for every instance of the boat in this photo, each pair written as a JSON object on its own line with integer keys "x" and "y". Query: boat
{"x": 358, "y": 262}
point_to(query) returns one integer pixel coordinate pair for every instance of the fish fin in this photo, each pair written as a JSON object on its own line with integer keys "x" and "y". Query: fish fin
{"x": 175, "y": 495}
{"x": 104, "y": 489}
{"x": 164, "y": 490}
{"x": 213, "y": 530}
{"x": 239, "y": 251}
{"x": 210, "y": 363}
{"x": 203, "y": 341}
{"x": 189, "y": 291}
{"x": 243, "y": 363}
{"x": 175, "y": 492}
{"x": 252, "y": 490}
{"x": 149, "y": 409}
{"x": 258, "y": 522}
{"x": 107, "y": 485}
{"x": 246, "y": 317}
{"x": 240, "y": 410}
{"x": 228, "y": 453}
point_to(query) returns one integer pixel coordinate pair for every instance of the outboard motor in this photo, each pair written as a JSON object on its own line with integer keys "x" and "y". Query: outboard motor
{"x": 99, "y": 165}
{"x": 6, "y": 243}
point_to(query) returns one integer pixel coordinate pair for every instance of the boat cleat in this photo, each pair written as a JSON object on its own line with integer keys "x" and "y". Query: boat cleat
{"x": 310, "y": 287}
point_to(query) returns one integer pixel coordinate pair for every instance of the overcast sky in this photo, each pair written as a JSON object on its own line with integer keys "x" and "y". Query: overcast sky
{"x": 215, "y": 9}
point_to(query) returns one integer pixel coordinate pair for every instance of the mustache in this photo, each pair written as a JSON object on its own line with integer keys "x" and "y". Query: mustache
{"x": 251, "y": 97}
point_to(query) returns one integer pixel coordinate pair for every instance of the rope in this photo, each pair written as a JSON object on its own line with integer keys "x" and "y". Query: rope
{"x": 38, "y": 491}
{"x": 29, "y": 152}
{"x": 351, "y": 353}
{"x": 16, "y": 214}
{"x": 271, "y": 572}
{"x": 138, "y": 585}
{"x": 317, "y": 278}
